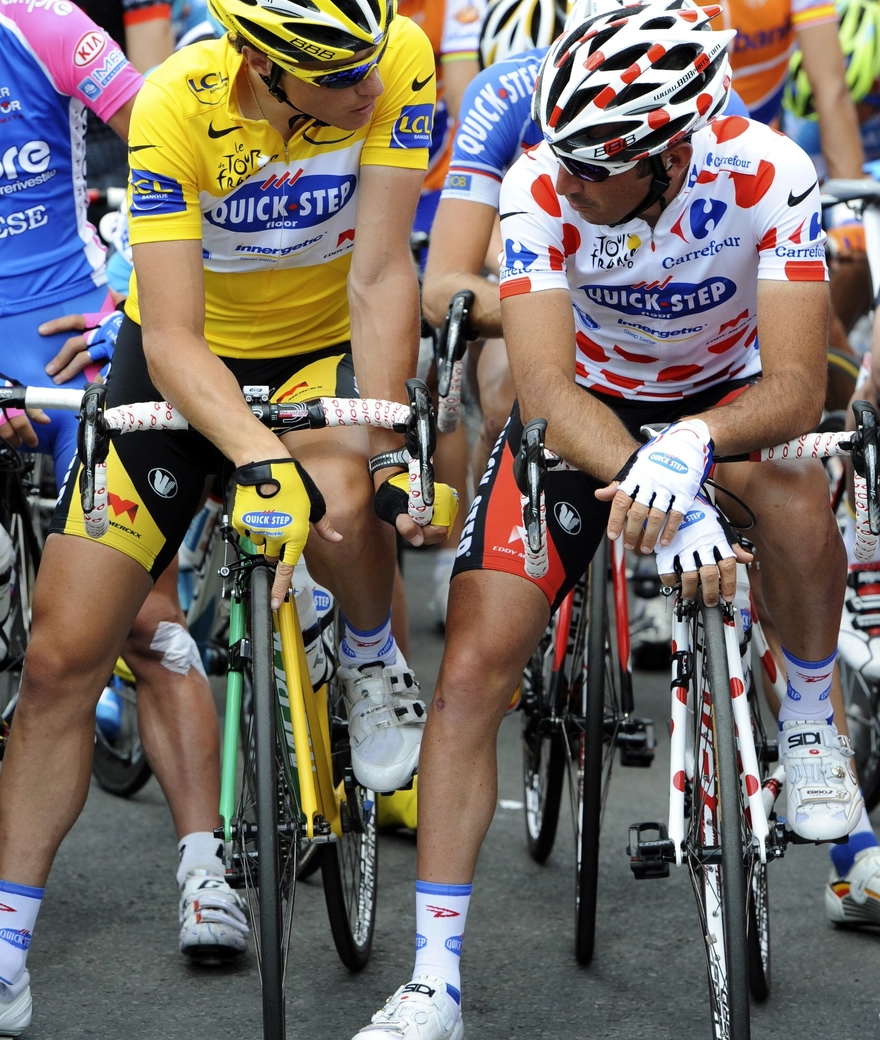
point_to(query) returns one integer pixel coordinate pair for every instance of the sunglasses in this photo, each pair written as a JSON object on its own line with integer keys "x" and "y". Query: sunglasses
{"x": 586, "y": 171}
{"x": 339, "y": 79}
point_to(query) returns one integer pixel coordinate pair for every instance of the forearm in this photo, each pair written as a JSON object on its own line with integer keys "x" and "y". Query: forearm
{"x": 187, "y": 374}
{"x": 840, "y": 136}
{"x": 779, "y": 408}
{"x": 385, "y": 329}
{"x": 438, "y": 290}
{"x": 580, "y": 428}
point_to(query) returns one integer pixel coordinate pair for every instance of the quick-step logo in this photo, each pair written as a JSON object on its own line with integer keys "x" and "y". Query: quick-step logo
{"x": 285, "y": 201}
{"x": 667, "y": 299}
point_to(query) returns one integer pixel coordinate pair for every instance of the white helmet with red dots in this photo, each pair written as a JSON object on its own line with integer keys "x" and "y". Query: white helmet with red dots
{"x": 629, "y": 83}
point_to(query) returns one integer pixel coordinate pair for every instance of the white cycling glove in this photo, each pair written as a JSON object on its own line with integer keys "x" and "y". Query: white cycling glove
{"x": 700, "y": 541}
{"x": 667, "y": 472}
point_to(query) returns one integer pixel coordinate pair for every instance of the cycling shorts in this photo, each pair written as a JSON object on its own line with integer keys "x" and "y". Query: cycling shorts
{"x": 24, "y": 354}
{"x": 155, "y": 480}
{"x": 493, "y": 537}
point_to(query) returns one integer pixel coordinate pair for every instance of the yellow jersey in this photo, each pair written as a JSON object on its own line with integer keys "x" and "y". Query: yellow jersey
{"x": 277, "y": 224}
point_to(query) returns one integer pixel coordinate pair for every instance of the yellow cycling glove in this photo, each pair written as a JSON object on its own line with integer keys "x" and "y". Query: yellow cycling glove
{"x": 392, "y": 499}
{"x": 281, "y": 518}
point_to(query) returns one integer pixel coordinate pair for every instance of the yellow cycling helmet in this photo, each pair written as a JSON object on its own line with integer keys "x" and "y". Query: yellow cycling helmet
{"x": 293, "y": 31}
{"x": 860, "y": 43}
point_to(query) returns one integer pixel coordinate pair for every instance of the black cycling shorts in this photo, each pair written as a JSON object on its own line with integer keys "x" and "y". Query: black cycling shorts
{"x": 493, "y": 536}
{"x": 155, "y": 480}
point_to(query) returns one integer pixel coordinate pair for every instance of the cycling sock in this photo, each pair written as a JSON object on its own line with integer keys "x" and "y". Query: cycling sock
{"x": 19, "y": 906}
{"x": 441, "y": 912}
{"x": 200, "y": 851}
{"x": 374, "y": 646}
{"x": 809, "y": 687}
{"x": 863, "y": 837}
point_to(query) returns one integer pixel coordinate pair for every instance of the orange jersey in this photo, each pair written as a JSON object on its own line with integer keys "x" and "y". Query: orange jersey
{"x": 453, "y": 28}
{"x": 765, "y": 38}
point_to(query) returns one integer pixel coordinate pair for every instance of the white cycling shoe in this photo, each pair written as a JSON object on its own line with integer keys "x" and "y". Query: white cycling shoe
{"x": 386, "y": 720}
{"x": 213, "y": 927}
{"x": 855, "y": 898}
{"x": 16, "y": 1006}
{"x": 823, "y": 797}
{"x": 419, "y": 1010}
{"x": 859, "y": 639}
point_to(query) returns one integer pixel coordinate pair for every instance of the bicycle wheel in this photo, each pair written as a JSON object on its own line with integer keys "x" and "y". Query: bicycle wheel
{"x": 862, "y": 700}
{"x": 349, "y": 866}
{"x": 601, "y": 716}
{"x": 16, "y": 628}
{"x": 758, "y": 892}
{"x": 843, "y": 371}
{"x": 716, "y": 844}
{"x": 267, "y": 806}
{"x": 119, "y": 763}
{"x": 544, "y": 748}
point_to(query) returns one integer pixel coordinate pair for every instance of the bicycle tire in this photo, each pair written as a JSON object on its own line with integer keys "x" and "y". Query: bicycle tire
{"x": 862, "y": 699}
{"x": 119, "y": 764}
{"x": 544, "y": 750}
{"x": 759, "y": 933}
{"x": 349, "y": 866}
{"x": 16, "y": 628}
{"x": 276, "y": 875}
{"x": 843, "y": 372}
{"x": 723, "y": 886}
{"x": 596, "y": 755}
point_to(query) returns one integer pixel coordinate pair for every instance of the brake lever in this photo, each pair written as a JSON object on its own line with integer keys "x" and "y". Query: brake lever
{"x": 92, "y": 441}
{"x": 529, "y": 472}
{"x": 420, "y": 437}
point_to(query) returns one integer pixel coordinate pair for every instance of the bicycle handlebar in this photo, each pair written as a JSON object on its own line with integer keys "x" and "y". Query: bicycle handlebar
{"x": 99, "y": 426}
{"x": 451, "y": 345}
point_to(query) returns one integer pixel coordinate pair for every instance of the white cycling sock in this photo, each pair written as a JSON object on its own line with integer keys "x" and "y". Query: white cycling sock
{"x": 441, "y": 913}
{"x": 809, "y": 687}
{"x": 200, "y": 851}
{"x": 19, "y": 906}
{"x": 863, "y": 837}
{"x": 373, "y": 646}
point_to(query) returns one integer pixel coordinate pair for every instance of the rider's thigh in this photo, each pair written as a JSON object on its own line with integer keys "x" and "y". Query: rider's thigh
{"x": 493, "y": 623}
{"x": 162, "y": 604}
{"x": 789, "y": 501}
{"x": 336, "y": 459}
{"x": 85, "y": 601}
{"x": 495, "y": 382}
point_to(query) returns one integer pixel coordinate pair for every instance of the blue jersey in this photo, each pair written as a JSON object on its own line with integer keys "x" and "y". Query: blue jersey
{"x": 496, "y": 127}
{"x": 54, "y": 62}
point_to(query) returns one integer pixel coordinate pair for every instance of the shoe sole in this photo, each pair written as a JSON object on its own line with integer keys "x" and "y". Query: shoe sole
{"x": 844, "y": 912}
{"x": 20, "y": 1010}
{"x": 210, "y": 955}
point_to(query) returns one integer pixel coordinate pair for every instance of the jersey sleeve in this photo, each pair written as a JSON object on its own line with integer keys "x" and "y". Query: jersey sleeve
{"x": 495, "y": 122}
{"x": 806, "y": 13}
{"x": 163, "y": 183}
{"x": 400, "y": 133}
{"x": 787, "y": 215}
{"x": 136, "y": 11}
{"x": 461, "y": 29}
{"x": 535, "y": 238}
{"x": 82, "y": 60}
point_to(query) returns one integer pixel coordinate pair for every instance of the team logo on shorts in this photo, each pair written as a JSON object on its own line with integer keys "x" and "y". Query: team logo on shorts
{"x": 568, "y": 518}
{"x": 163, "y": 482}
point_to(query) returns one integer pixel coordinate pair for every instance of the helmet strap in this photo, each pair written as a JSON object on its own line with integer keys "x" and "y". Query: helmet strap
{"x": 273, "y": 82}
{"x": 660, "y": 181}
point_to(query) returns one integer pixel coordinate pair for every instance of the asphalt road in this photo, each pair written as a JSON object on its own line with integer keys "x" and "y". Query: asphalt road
{"x": 105, "y": 962}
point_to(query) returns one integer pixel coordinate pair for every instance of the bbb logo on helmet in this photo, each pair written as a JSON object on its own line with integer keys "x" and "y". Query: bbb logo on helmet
{"x": 266, "y": 520}
{"x": 278, "y": 203}
{"x": 666, "y": 300}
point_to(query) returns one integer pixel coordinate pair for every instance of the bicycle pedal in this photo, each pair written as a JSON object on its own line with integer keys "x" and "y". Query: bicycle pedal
{"x": 650, "y": 859}
{"x": 637, "y": 741}
{"x": 768, "y": 751}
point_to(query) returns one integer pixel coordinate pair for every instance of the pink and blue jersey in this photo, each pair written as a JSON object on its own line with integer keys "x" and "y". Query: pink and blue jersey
{"x": 54, "y": 63}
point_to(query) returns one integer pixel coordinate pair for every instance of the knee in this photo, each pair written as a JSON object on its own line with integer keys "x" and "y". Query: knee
{"x": 161, "y": 608}
{"x": 799, "y": 522}
{"x": 474, "y": 687}
{"x": 61, "y": 677}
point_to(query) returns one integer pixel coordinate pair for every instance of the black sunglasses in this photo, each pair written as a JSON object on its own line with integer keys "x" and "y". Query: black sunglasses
{"x": 586, "y": 171}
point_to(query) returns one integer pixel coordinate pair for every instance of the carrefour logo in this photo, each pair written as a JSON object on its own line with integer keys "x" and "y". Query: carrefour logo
{"x": 660, "y": 458}
{"x": 155, "y": 194}
{"x": 666, "y": 300}
{"x": 266, "y": 520}
{"x": 413, "y": 127}
{"x": 283, "y": 202}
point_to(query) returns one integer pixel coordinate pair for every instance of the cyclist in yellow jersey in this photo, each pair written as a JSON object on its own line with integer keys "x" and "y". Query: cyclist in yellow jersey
{"x": 274, "y": 177}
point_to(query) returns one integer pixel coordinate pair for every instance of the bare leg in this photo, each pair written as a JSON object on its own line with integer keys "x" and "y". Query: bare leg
{"x": 496, "y": 400}
{"x": 177, "y": 718}
{"x": 85, "y": 602}
{"x": 481, "y": 667}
